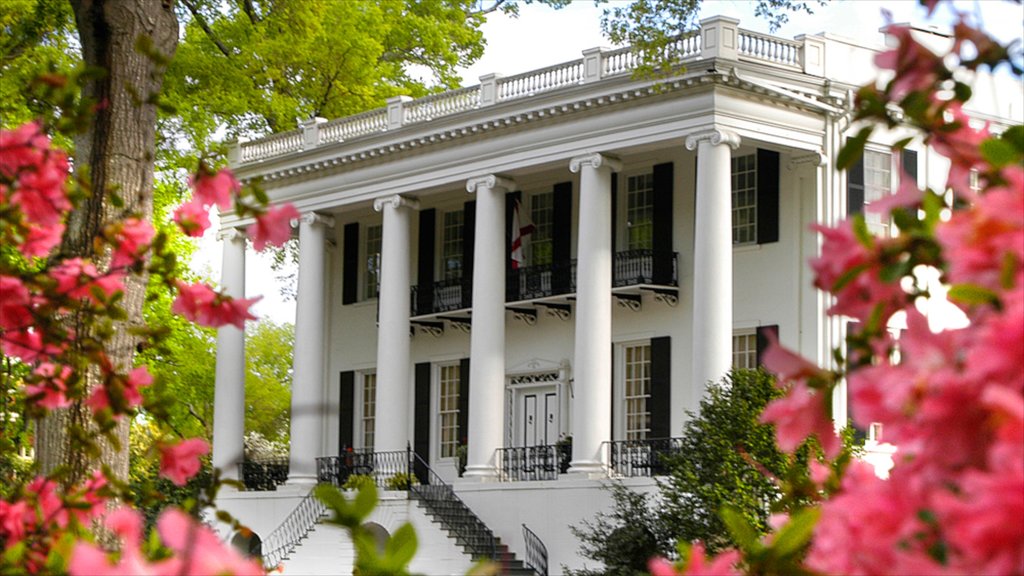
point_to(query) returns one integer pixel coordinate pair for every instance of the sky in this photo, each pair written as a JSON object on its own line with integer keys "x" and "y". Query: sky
{"x": 541, "y": 36}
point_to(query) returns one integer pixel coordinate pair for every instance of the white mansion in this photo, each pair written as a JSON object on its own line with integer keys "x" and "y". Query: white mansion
{"x": 540, "y": 274}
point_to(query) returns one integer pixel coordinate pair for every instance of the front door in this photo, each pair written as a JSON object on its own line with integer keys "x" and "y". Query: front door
{"x": 539, "y": 423}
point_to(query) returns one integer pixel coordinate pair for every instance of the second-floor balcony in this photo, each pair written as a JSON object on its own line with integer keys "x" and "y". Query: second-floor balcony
{"x": 641, "y": 269}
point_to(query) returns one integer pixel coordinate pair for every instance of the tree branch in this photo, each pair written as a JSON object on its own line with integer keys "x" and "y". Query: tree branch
{"x": 250, "y": 11}
{"x": 206, "y": 27}
{"x": 497, "y": 4}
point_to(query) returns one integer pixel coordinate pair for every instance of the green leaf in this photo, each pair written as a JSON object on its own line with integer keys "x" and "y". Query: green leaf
{"x": 743, "y": 533}
{"x": 365, "y": 501}
{"x": 848, "y": 277}
{"x": 792, "y": 537}
{"x": 853, "y": 148}
{"x": 998, "y": 152}
{"x": 1015, "y": 136}
{"x": 971, "y": 294}
{"x": 401, "y": 547}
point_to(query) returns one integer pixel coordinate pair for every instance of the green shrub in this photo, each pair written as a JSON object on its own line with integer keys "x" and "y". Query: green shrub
{"x": 401, "y": 481}
{"x": 357, "y": 482}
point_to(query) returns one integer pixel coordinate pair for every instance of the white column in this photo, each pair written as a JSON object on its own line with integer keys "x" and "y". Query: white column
{"x": 487, "y": 339}
{"x": 712, "y": 259}
{"x": 394, "y": 390}
{"x": 229, "y": 387}
{"x": 592, "y": 364}
{"x": 308, "y": 359}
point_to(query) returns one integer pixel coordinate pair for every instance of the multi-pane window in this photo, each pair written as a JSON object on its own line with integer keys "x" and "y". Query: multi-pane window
{"x": 369, "y": 409}
{"x": 640, "y": 212}
{"x": 448, "y": 410}
{"x": 451, "y": 245}
{"x": 744, "y": 199}
{"x": 877, "y": 185}
{"x": 744, "y": 350}
{"x": 371, "y": 288}
{"x": 636, "y": 390}
{"x": 542, "y": 212}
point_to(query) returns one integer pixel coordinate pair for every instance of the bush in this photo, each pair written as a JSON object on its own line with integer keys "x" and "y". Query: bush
{"x": 401, "y": 481}
{"x": 357, "y": 482}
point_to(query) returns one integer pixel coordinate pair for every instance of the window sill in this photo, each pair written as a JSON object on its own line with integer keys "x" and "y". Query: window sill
{"x": 743, "y": 248}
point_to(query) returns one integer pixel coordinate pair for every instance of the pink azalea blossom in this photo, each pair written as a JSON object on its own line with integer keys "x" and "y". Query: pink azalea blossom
{"x": 915, "y": 66}
{"x": 26, "y": 344}
{"x": 978, "y": 242}
{"x": 199, "y": 551}
{"x": 15, "y": 301}
{"x": 133, "y": 238}
{"x": 40, "y": 240}
{"x": 77, "y": 277}
{"x": 128, "y": 387}
{"x": 216, "y": 188}
{"x": 25, "y": 155}
{"x": 52, "y": 386}
{"x": 193, "y": 218}
{"x": 180, "y": 461}
{"x": 274, "y": 227}
{"x": 724, "y": 564}
{"x": 799, "y": 414}
{"x": 201, "y": 304}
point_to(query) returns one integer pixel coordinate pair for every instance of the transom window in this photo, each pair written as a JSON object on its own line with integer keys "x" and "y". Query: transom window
{"x": 637, "y": 389}
{"x": 640, "y": 212}
{"x": 451, "y": 245}
{"x": 448, "y": 410}
{"x": 542, "y": 212}
{"x": 744, "y": 350}
{"x": 877, "y": 185}
{"x": 371, "y": 288}
{"x": 369, "y": 409}
{"x": 744, "y": 199}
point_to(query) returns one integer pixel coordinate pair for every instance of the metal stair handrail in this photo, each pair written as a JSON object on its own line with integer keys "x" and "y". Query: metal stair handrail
{"x": 283, "y": 539}
{"x": 536, "y": 552}
{"x": 441, "y": 500}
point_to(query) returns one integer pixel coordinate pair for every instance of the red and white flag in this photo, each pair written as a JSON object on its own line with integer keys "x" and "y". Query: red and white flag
{"x": 519, "y": 233}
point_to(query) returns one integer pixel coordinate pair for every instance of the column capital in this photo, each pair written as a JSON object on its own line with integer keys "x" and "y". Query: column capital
{"x": 817, "y": 159}
{"x": 312, "y": 218}
{"x": 594, "y": 160}
{"x": 715, "y": 136}
{"x": 395, "y": 201}
{"x": 490, "y": 181}
{"x": 231, "y": 234}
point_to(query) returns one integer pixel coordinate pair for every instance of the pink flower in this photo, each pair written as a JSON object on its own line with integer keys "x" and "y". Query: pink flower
{"x": 26, "y": 344}
{"x": 977, "y": 243}
{"x": 724, "y": 564}
{"x": 215, "y": 188}
{"x": 199, "y": 551}
{"x": 90, "y": 560}
{"x": 51, "y": 387}
{"x": 274, "y": 227}
{"x": 786, "y": 364}
{"x": 180, "y": 461}
{"x": 193, "y": 218}
{"x": 126, "y": 389}
{"x": 800, "y": 414}
{"x": 202, "y": 305}
{"x": 15, "y": 304}
{"x": 915, "y": 66}
{"x": 76, "y": 278}
{"x": 661, "y": 567}
{"x": 132, "y": 238}
{"x": 40, "y": 240}
{"x": 40, "y": 173}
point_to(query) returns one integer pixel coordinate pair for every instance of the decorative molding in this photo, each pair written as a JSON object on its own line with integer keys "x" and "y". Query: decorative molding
{"x": 594, "y": 161}
{"x": 395, "y": 201}
{"x": 231, "y": 234}
{"x": 489, "y": 181}
{"x": 816, "y": 158}
{"x": 669, "y": 298}
{"x": 714, "y": 136}
{"x": 312, "y": 219}
{"x": 629, "y": 301}
{"x": 529, "y": 317}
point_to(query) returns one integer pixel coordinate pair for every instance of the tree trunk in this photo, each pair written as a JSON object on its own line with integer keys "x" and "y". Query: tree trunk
{"x": 118, "y": 149}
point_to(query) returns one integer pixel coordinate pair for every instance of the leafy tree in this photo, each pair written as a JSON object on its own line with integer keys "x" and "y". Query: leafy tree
{"x": 268, "y": 379}
{"x": 624, "y": 539}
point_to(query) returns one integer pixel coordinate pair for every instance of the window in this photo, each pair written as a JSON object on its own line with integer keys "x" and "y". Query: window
{"x": 542, "y": 213}
{"x": 371, "y": 278}
{"x": 640, "y": 212}
{"x": 877, "y": 185}
{"x": 451, "y": 245}
{"x": 744, "y": 350}
{"x": 744, "y": 199}
{"x": 636, "y": 390}
{"x": 448, "y": 410}
{"x": 369, "y": 410}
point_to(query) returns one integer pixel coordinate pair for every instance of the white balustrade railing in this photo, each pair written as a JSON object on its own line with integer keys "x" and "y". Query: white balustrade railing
{"x": 774, "y": 50}
{"x": 530, "y": 83}
{"x": 443, "y": 104}
{"x": 350, "y": 127}
{"x": 270, "y": 146}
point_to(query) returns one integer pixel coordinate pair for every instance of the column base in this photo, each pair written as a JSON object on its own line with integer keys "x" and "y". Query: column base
{"x": 481, "y": 473}
{"x": 302, "y": 480}
{"x": 588, "y": 469}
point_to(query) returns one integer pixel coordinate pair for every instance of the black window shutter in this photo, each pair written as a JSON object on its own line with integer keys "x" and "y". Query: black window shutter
{"x": 615, "y": 216}
{"x": 762, "y": 339}
{"x": 468, "y": 240}
{"x": 659, "y": 404}
{"x": 767, "y": 196}
{"x": 561, "y": 239}
{"x": 615, "y": 396}
{"x": 511, "y": 276}
{"x": 855, "y": 188}
{"x": 425, "y": 264}
{"x": 909, "y": 162}
{"x": 421, "y": 419}
{"x": 462, "y": 434}
{"x": 346, "y": 407}
{"x": 662, "y": 225}
{"x": 350, "y": 264}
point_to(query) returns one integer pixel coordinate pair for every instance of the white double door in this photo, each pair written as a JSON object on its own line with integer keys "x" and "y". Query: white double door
{"x": 538, "y": 421}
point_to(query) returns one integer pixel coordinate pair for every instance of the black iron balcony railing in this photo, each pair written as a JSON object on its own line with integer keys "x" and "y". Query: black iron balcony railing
{"x": 389, "y": 470}
{"x": 643, "y": 458}
{"x": 536, "y": 552}
{"x": 541, "y": 281}
{"x": 525, "y": 463}
{"x": 445, "y": 296}
{"x": 645, "y": 266}
{"x": 264, "y": 474}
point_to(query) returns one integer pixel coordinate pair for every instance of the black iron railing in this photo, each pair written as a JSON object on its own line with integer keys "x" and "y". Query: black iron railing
{"x": 283, "y": 539}
{"x": 646, "y": 266}
{"x": 646, "y": 458}
{"x": 388, "y": 470}
{"x": 445, "y": 296}
{"x": 536, "y": 552}
{"x": 264, "y": 474}
{"x": 527, "y": 463}
{"x": 447, "y": 508}
{"x": 540, "y": 281}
